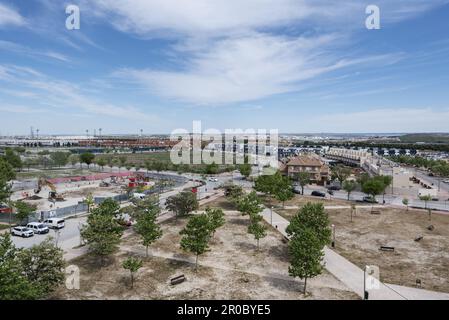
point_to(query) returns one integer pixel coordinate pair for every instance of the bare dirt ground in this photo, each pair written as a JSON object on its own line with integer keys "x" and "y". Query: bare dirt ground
{"x": 359, "y": 242}
{"x": 221, "y": 202}
{"x": 231, "y": 269}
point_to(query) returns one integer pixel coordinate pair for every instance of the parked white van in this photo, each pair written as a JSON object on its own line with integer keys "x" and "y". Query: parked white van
{"x": 55, "y": 223}
{"x": 38, "y": 228}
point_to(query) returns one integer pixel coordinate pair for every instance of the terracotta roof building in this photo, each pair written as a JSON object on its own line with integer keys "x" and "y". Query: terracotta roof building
{"x": 319, "y": 172}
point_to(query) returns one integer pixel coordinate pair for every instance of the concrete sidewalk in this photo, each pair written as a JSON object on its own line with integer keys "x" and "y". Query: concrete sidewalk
{"x": 352, "y": 276}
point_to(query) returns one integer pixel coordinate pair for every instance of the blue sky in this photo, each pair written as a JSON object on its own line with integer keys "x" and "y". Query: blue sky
{"x": 291, "y": 65}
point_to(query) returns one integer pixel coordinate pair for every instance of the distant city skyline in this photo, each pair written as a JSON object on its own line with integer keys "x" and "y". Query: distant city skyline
{"x": 295, "y": 66}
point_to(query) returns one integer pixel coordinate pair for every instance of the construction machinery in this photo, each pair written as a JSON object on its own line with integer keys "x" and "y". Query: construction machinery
{"x": 52, "y": 195}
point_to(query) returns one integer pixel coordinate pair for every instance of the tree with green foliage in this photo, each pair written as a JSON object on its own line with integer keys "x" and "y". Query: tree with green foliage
{"x": 13, "y": 158}
{"x": 89, "y": 201}
{"x": 373, "y": 187}
{"x": 340, "y": 173}
{"x": 183, "y": 203}
{"x": 250, "y": 204}
{"x": 60, "y": 158}
{"x": 349, "y": 186}
{"x": 102, "y": 233}
{"x": 101, "y": 163}
{"x": 245, "y": 170}
{"x": 74, "y": 159}
{"x": 306, "y": 255}
{"x": 6, "y": 170}
{"x": 426, "y": 198}
{"x": 387, "y": 181}
{"x": 312, "y": 215}
{"x": 211, "y": 168}
{"x": 196, "y": 235}
{"x": 233, "y": 191}
{"x": 23, "y": 210}
{"x": 303, "y": 179}
{"x": 14, "y": 285}
{"x": 216, "y": 218}
{"x": 282, "y": 188}
{"x": 256, "y": 228}
{"x": 405, "y": 202}
{"x": 309, "y": 232}
{"x": 147, "y": 228}
{"x": 87, "y": 158}
{"x": 43, "y": 265}
{"x": 121, "y": 162}
{"x": 133, "y": 265}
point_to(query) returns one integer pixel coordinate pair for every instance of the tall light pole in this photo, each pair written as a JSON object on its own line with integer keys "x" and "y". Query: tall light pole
{"x": 333, "y": 235}
{"x": 271, "y": 215}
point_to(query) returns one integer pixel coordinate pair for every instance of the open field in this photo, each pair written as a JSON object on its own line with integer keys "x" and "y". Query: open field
{"x": 221, "y": 202}
{"x": 231, "y": 269}
{"x": 359, "y": 242}
{"x": 164, "y": 158}
{"x": 55, "y": 172}
{"x": 300, "y": 200}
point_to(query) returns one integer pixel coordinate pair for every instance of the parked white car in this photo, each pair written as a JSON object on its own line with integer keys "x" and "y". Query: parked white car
{"x": 22, "y": 232}
{"x": 213, "y": 179}
{"x": 38, "y": 227}
{"x": 55, "y": 223}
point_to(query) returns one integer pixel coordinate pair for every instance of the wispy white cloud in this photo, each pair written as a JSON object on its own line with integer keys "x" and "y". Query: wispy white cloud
{"x": 10, "y": 16}
{"x": 31, "y": 52}
{"x": 65, "y": 95}
{"x": 247, "y": 68}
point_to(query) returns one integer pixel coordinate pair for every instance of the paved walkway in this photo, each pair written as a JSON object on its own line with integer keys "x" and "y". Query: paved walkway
{"x": 352, "y": 276}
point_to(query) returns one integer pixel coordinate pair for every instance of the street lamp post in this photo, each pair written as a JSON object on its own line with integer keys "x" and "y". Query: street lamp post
{"x": 333, "y": 235}
{"x": 271, "y": 215}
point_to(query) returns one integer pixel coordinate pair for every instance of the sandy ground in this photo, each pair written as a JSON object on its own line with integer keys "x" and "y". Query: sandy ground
{"x": 359, "y": 242}
{"x": 300, "y": 200}
{"x": 233, "y": 268}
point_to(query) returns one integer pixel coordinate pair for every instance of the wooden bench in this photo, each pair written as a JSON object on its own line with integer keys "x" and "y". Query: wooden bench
{"x": 375, "y": 212}
{"x": 385, "y": 248}
{"x": 285, "y": 239}
{"x": 177, "y": 280}
{"x": 419, "y": 238}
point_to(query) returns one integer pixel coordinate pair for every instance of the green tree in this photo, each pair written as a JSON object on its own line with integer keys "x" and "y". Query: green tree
{"x": 282, "y": 188}
{"x": 102, "y": 234}
{"x": 373, "y": 187}
{"x": 14, "y": 285}
{"x": 211, "y": 168}
{"x": 303, "y": 179}
{"x": 74, "y": 159}
{"x": 23, "y": 210}
{"x": 387, "y": 181}
{"x": 313, "y": 216}
{"x": 216, "y": 218}
{"x": 60, "y": 158}
{"x": 232, "y": 191}
{"x": 43, "y": 265}
{"x": 87, "y": 158}
{"x": 340, "y": 173}
{"x": 109, "y": 207}
{"x": 306, "y": 255}
{"x": 133, "y": 265}
{"x": 349, "y": 186}
{"x": 257, "y": 229}
{"x": 89, "y": 201}
{"x": 101, "y": 163}
{"x": 405, "y": 202}
{"x": 183, "y": 203}
{"x": 147, "y": 228}
{"x": 426, "y": 199}
{"x": 250, "y": 204}
{"x": 13, "y": 158}
{"x": 195, "y": 236}
{"x": 6, "y": 170}
{"x": 245, "y": 170}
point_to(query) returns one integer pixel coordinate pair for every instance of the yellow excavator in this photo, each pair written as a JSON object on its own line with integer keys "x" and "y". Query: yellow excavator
{"x": 52, "y": 195}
